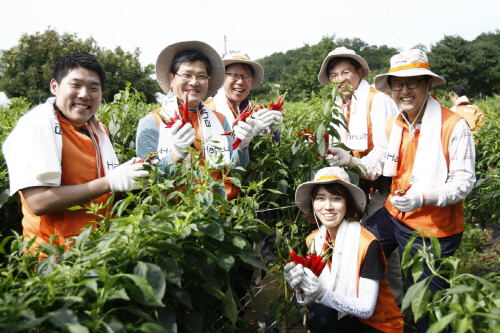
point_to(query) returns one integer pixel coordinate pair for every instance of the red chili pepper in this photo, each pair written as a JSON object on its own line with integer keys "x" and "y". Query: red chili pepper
{"x": 241, "y": 117}
{"x": 401, "y": 193}
{"x": 148, "y": 157}
{"x": 322, "y": 264}
{"x": 308, "y": 259}
{"x": 184, "y": 117}
{"x": 293, "y": 255}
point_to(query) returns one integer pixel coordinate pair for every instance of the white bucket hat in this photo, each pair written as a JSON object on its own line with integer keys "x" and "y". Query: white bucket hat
{"x": 239, "y": 58}
{"x": 324, "y": 176}
{"x": 345, "y": 53}
{"x": 166, "y": 57}
{"x": 408, "y": 63}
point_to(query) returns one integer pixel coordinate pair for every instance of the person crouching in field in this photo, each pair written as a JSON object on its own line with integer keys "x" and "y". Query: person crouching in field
{"x": 351, "y": 293}
{"x": 60, "y": 155}
{"x": 192, "y": 71}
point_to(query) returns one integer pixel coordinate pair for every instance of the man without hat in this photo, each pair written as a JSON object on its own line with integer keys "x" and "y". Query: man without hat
{"x": 366, "y": 110}
{"x": 464, "y": 107}
{"x": 428, "y": 147}
{"x": 60, "y": 155}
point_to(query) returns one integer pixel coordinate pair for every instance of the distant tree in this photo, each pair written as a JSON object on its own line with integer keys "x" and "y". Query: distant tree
{"x": 489, "y": 37}
{"x": 475, "y": 65}
{"x": 26, "y": 69}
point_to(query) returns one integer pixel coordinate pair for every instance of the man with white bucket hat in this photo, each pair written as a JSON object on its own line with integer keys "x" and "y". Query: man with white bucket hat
{"x": 192, "y": 70}
{"x": 241, "y": 76}
{"x": 366, "y": 110}
{"x": 429, "y": 153}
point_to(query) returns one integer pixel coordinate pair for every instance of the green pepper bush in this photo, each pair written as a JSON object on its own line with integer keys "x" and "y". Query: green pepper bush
{"x": 169, "y": 257}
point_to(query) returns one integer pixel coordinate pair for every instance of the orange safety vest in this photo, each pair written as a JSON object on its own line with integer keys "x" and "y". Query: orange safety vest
{"x": 232, "y": 191}
{"x": 439, "y": 221}
{"x": 472, "y": 114}
{"x": 78, "y": 166}
{"x": 386, "y": 317}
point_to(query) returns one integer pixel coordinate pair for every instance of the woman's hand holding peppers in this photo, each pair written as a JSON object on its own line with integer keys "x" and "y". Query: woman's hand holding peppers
{"x": 311, "y": 285}
{"x": 293, "y": 274}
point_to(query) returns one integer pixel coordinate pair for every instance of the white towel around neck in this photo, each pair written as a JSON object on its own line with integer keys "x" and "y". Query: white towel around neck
{"x": 38, "y": 135}
{"x": 357, "y": 137}
{"x": 342, "y": 277}
{"x": 430, "y": 168}
{"x": 214, "y": 145}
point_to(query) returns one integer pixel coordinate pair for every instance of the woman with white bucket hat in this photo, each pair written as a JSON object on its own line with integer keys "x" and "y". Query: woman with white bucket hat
{"x": 350, "y": 294}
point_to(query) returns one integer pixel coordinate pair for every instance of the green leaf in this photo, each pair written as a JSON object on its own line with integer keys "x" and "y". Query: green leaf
{"x": 213, "y": 230}
{"x": 225, "y": 261}
{"x": 166, "y": 318}
{"x": 67, "y": 319}
{"x": 154, "y": 276}
{"x": 436, "y": 246}
{"x": 173, "y": 272}
{"x": 240, "y": 242}
{"x": 152, "y": 328}
{"x": 413, "y": 292}
{"x": 230, "y": 306}
{"x": 441, "y": 324}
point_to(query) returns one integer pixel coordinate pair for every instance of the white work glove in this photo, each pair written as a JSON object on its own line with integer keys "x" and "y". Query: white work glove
{"x": 122, "y": 177}
{"x": 293, "y": 274}
{"x": 245, "y": 132}
{"x": 408, "y": 202}
{"x": 181, "y": 138}
{"x": 340, "y": 157}
{"x": 311, "y": 285}
{"x": 278, "y": 119}
{"x": 263, "y": 119}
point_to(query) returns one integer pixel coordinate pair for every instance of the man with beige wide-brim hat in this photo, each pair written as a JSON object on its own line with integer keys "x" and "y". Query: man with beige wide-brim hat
{"x": 241, "y": 76}
{"x": 192, "y": 70}
{"x": 366, "y": 110}
{"x": 429, "y": 153}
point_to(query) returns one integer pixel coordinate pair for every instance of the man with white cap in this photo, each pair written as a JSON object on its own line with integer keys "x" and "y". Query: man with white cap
{"x": 192, "y": 70}
{"x": 366, "y": 110}
{"x": 429, "y": 153}
{"x": 241, "y": 76}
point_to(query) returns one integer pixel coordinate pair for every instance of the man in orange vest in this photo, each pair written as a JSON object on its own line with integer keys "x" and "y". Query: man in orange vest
{"x": 366, "y": 110}
{"x": 60, "y": 155}
{"x": 465, "y": 108}
{"x": 429, "y": 153}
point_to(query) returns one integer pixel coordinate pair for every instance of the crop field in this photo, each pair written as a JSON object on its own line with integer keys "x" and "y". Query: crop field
{"x": 169, "y": 256}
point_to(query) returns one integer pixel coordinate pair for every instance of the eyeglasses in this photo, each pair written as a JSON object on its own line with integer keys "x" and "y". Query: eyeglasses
{"x": 344, "y": 74}
{"x": 413, "y": 84}
{"x": 236, "y": 77}
{"x": 202, "y": 78}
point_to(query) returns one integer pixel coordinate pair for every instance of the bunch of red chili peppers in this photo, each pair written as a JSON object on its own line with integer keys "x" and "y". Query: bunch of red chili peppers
{"x": 314, "y": 261}
{"x": 242, "y": 117}
{"x": 184, "y": 114}
{"x": 276, "y": 106}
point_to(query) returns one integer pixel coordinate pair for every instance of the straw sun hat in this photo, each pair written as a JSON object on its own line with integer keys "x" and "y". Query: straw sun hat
{"x": 166, "y": 57}
{"x": 345, "y": 53}
{"x": 408, "y": 63}
{"x": 325, "y": 176}
{"x": 238, "y": 58}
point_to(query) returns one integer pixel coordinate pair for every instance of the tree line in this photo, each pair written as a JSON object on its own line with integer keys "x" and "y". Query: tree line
{"x": 26, "y": 68}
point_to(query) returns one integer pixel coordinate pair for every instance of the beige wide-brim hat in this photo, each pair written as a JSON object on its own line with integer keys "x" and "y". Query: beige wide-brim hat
{"x": 238, "y": 58}
{"x": 345, "y": 53}
{"x": 329, "y": 175}
{"x": 166, "y": 57}
{"x": 408, "y": 63}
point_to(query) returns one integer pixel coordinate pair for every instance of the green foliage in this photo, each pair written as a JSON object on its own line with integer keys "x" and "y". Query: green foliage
{"x": 475, "y": 65}
{"x": 166, "y": 261}
{"x": 484, "y": 203}
{"x": 471, "y": 304}
{"x": 26, "y": 69}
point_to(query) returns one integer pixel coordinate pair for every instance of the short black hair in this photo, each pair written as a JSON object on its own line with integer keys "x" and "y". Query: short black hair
{"x": 76, "y": 60}
{"x": 247, "y": 67}
{"x": 458, "y": 89}
{"x": 352, "y": 213}
{"x": 336, "y": 60}
{"x": 188, "y": 56}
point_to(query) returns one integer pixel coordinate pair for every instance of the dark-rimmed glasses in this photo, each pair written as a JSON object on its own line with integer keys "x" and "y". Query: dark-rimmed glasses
{"x": 413, "y": 84}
